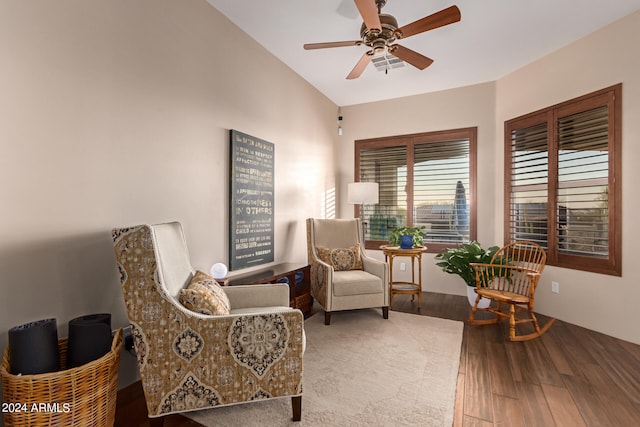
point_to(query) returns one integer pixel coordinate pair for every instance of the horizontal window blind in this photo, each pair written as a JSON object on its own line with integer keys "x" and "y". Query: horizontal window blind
{"x": 388, "y": 167}
{"x": 529, "y": 184}
{"x": 440, "y": 190}
{"x": 583, "y": 177}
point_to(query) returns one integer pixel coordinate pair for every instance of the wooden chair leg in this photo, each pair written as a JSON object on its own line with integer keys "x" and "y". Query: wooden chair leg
{"x": 385, "y": 312}
{"x": 512, "y": 322}
{"x": 296, "y": 405}
{"x": 497, "y": 316}
{"x": 472, "y": 316}
{"x": 536, "y": 326}
{"x": 156, "y": 422}
{"x": 327, "y": 317}
{"x": 534, "y": 320}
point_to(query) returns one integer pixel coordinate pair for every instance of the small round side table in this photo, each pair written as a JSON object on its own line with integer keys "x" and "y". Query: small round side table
{"x": 413, "y": 287}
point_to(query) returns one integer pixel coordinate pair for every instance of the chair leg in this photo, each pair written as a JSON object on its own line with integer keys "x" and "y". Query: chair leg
{"x": 472, "y": 316}
{"x": 296, "y": 405}
{"x": 512, "y": 321}
{"x": 327, "y": 317}
{"x": 156, "y": 422}
{"x": 385, "y": 312}
{"x": 535, "y": 321}
{"x": 538, "y": 330}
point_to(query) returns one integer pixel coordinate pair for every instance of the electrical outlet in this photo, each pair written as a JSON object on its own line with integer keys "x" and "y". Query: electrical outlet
{"x": 403, "y": 266}
{"x": 555, "y": 287}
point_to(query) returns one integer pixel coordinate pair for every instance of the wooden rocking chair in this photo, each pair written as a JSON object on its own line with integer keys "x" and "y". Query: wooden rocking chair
{"x": 511, "y": 278}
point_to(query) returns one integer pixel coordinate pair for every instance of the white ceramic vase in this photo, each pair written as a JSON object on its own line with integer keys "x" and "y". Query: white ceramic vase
{"x": 471, "y": 294}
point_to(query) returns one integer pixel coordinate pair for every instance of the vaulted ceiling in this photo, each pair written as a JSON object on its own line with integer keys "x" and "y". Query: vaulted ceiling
{"x": 493, "y": 39}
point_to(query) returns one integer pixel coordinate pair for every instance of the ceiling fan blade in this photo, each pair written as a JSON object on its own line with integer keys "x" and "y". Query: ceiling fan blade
{"x": 346, "y": 8}
{"x": 439, "y": 19}
{"x": 360, "y": 66}
{"x": 412, "y": 57}
{"x": 369, "y": 13}
{"x": 310, "y": 46}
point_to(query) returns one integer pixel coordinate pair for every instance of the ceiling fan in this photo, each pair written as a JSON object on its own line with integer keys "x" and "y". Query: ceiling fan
{"x": 380, "y": 31}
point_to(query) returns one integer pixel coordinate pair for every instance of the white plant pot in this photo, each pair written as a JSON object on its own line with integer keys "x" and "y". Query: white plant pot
{"x": 471, "y": 294}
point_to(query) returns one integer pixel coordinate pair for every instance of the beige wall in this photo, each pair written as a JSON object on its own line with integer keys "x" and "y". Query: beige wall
{"x": 603, "y": 303}
{"x": 609, "y": 56}
{"x": 452, "y": 109}
{"x": 116, "y": 113}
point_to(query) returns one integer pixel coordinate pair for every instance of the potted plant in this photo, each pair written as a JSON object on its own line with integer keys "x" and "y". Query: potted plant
{"x": 458, "y": 261}
{"x": 414, "y": 236}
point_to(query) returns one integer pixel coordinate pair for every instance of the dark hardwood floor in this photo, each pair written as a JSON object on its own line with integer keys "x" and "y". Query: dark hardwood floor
{"x": 570, "y": 376}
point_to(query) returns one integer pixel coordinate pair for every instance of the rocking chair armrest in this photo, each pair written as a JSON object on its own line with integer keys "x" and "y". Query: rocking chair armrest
{"x": 533, "y": 276}
{"x": 482, "y": 278}
{"x": 478, "y": 265}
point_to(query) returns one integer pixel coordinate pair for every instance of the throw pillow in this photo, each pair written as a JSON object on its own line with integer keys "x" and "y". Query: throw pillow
{"x": 204, "y": 295}
{"x": 211, "y": 283}
{"x": 342, "y": 259}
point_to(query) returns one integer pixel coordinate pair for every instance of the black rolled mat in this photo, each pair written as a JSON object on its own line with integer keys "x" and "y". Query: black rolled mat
{"x": 89, "y": 338}
{"x": 33, "y": 348}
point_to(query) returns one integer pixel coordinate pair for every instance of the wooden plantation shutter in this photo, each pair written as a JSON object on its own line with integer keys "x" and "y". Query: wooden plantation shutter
{"x": 563, "y": 181}
{"x": 528, "y": 178}
{"x": 425, "y": 179}
{"x": 441, "y": 188}
{"x": 582, "y": 223}
{"x": 388, "y": 167}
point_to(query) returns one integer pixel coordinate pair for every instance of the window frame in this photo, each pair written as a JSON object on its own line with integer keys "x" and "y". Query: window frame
{"x": 409, "y": 141}
{"x": 612, "y": 97}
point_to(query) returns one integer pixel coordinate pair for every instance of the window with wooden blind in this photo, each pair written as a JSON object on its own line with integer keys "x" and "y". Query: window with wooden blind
{"x": 563, "y": 178}
{"x": 425, "y": 179}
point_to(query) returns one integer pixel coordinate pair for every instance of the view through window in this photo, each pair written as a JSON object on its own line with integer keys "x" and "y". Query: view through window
{"x": 425, "y": 180}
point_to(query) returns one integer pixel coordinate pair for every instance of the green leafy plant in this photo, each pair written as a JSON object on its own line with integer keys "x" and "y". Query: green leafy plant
{"x": 416, "y": 232}
{"x": 458, "y": 260}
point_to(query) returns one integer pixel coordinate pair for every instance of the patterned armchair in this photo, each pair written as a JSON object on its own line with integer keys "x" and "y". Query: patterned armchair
{"x": 343, "y": 277}
{"x": 190, "y": 361}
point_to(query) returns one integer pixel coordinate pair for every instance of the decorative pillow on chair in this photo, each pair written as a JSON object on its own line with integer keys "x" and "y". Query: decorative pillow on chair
{"x": 342, "y": 259}
{"x": 204, "y": 295}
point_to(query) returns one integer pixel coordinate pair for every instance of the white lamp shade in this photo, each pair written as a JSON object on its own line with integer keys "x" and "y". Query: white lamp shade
{"x": 361, "y": 193}
{"x": 218, "y": 270}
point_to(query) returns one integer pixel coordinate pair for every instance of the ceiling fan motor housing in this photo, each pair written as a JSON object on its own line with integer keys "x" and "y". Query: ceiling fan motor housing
{"x": 379, "y": 41}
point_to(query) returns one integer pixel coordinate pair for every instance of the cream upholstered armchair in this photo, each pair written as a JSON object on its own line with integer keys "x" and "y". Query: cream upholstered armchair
{"x": 343, "y": 277}
{"x": 188, "y": 360}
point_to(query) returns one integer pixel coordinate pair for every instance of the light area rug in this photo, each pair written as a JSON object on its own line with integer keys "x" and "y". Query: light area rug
{"x": 363, "y": 370}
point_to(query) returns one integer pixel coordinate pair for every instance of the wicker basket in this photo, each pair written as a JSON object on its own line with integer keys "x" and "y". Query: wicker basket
{"x": 80, "y": 397}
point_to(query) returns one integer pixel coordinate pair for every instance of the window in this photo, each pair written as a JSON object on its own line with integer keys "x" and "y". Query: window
{"x": 425, "y": 179}
{"x": 562, "y": 181}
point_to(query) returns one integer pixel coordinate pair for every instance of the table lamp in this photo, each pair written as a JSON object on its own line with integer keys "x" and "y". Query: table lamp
{"x": 362, "y": 193}
{"x": 219, "y": 271}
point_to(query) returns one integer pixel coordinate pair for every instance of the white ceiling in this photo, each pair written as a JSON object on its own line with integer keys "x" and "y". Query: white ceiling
{"x": 494, "y": 38}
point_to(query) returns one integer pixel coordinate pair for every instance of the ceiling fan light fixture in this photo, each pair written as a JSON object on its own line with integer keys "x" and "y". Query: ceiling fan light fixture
{"x": 387, "y": 62}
